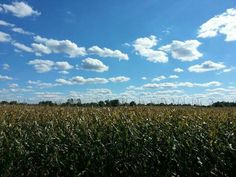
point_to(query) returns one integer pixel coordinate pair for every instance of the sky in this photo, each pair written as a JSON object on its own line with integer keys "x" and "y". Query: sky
{"x": 147, "y": 51}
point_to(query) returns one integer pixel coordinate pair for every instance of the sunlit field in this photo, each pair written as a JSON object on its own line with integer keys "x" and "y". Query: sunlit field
{"x": 121, "y": 141}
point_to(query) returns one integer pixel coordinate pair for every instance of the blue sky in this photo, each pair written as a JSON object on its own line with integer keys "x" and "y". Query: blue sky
{"x": 181, "y": 51}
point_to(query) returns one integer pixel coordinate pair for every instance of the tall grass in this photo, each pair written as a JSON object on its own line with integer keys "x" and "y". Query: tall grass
{"x": 134, "y": 141}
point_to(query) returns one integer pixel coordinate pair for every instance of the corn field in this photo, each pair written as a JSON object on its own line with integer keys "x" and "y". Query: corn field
{"x": 122, "y": 141}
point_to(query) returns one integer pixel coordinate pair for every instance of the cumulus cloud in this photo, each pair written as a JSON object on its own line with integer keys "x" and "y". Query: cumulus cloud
{"x": 4, "y": 23}
{"x": 173, "y": 77}
{"x": 180, "y": 84}
{"x": 64, "y": 81}
{"x": 40, "y": 48}
{"x": 119, "y": 79}
{"x": 13, "y": 85}
{"x": 19, "y": 9}
{"x": 4, "y": 78}
{"x": 22, "y": 47}
{"x": 4, "y": 37}
{"x": 42, "y": 85}
{"x": 100, "y": 91}
{"x": 50, "y": 95}
{"x": 63, "y": 72}
{"x": 144, "y": 78}
{"x": 47, "y": 46}
{"x": 144, "y": 47}
{"x": 91, "y": 95}
{"x": 21, "y": 31}
{"x": 145, "y": 42}
{"x": 93, "y": 65}
{"x": 183, "y": 50}
{"x": 224, "y": 23}
{"x": 132, "y": 87}
{"x": 105, "y": 52}
{"x": 5, "y": 66}
{"x": 93, "y": 80}
{"x": 164, "y": 92}
{"x": 63, "y": 65}
{"x": 178, "y": 70}
{"x": 159, "y": 78}
{"x": 207, "y": 66}
{"x": 14, "y": 88}
{"x": 222, "y": 91}
{"x": 81, "y": 80}
{"x": 228, "y": 70}
{"x": 42, "y": 66}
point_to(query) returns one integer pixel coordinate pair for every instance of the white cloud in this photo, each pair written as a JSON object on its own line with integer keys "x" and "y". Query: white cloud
{"x": 63, "y": 65}
{"x": 19, "y": 9}
{"x": 132, "y": 87}
{"x": 21, "y": 31}
{"x": 42, "y": 66}
{"x": 42, "y": 85}
{"x": 119, "y": 79}
{"x": 81, "y": 80}
{"x": 228, "y": 69}
{"x": 170, "y": 92}
{"x": 4, "y": 78}
{"x": 50, "y": 95}
{"x": 178, "y": 70}
{"x": 183, "y": 50}
{"x": 180, "y": 84}
{"x": 63, "y": 72}
{"x": 145, "y": 42}
{"x": 64, "y": 81}
{"x": 159, "y": 78}
{"x": 40, "y": 48}
{"x": 93, "y": 95}
{"x": 94, "y": 80}
{"x": 13, "y": 85}
{"x": 144, "y": 78}
{"x": 173, "y": 77}
{"x": 5, "y": 66}
{"x": 4, "y": 23}
{"x": 48, "y": 46}
{"x": 143, "y": 47}
{"x": 19, "y": 90}
{"x": 224, "y": 23}
{"x": 100, "y": 91}
{"x": 105, "y": 52}
{"x": 127, "y": 44}
{"x": 22, "y": 47}
{"x": 208, "y": 84}
{"x": 206, "y": 66}
{"x": 4, "y": 37}
{"x": 93, "y": 65}
{"x": 222, "y": 91}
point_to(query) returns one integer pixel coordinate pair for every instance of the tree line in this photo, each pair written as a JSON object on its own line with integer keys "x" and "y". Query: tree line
{"x": 112, "y": 103}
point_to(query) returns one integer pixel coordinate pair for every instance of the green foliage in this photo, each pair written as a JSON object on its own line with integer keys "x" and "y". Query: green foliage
{"x": 112, "y": 103}
{"x": 46, "y": 103}
{"x": 120, "y": 141}
{"x": 132, "y": 103}
{"x": 224, "y": 104}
